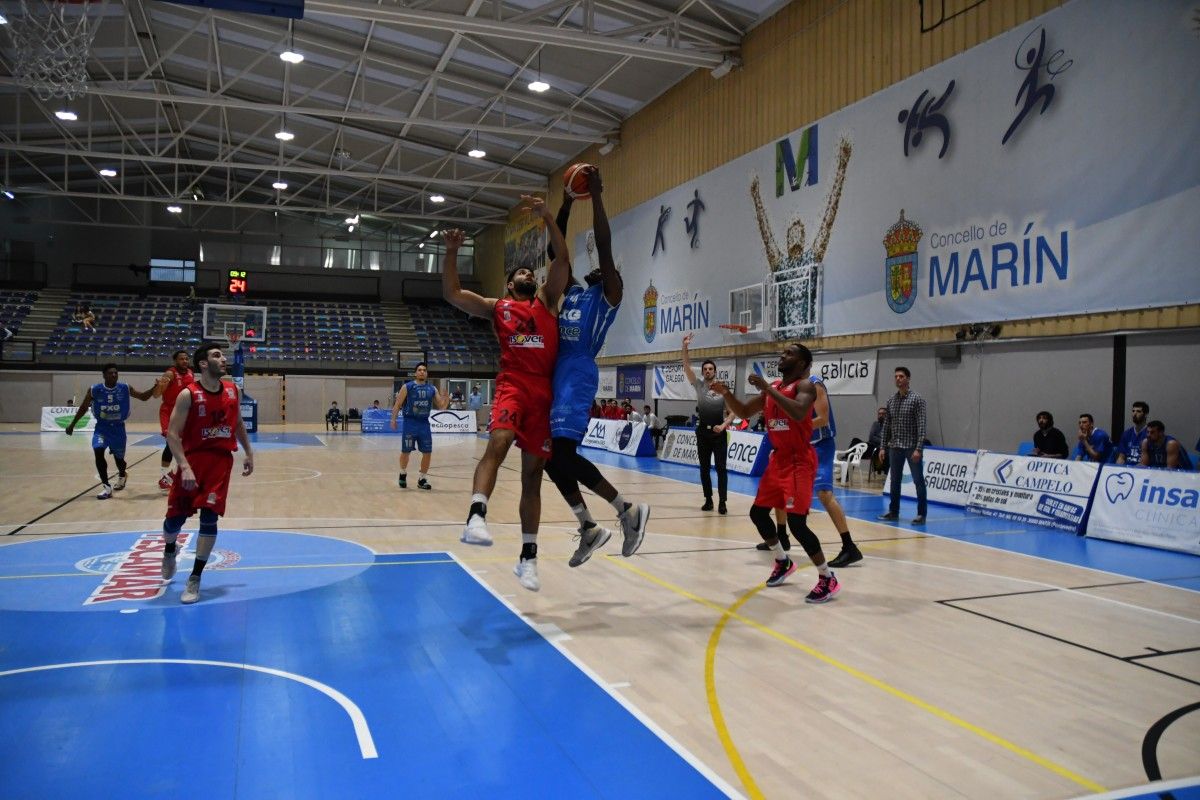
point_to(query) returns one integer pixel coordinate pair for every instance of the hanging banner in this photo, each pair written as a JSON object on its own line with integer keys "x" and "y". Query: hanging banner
{"x": 671, "y": 383}
{"x": 619, "y": 436}
{"x": 631, "y": 382}
{"x": 952, "y": 197}
{"x": 378, "y": 420}
{"x": 57, "y": 418}
{"x": 1044, "y": 491}
{"x": 843, "y": 373}
{"x": 1152, "y": 507}
{"x": 746, "y": 454}
{"x": 608, "y": 382}
{"x": 948, "y": 476}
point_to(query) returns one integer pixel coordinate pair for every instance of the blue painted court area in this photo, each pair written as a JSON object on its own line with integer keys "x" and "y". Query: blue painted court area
{"x": 311, "y": 668}
{"x": 261, "y": 441}
{"x": 1181, "y": 570}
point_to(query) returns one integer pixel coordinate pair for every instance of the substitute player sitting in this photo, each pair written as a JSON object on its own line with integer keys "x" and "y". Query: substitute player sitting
{"x": 416, "y": 398}
{"x": 786, "y": 406}
{"x": 204, "y": 433}
{"x": 111, "y": 401}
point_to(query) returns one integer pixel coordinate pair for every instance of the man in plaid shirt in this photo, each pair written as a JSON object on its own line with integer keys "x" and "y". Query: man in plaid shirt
{"x": 903, "y": 438}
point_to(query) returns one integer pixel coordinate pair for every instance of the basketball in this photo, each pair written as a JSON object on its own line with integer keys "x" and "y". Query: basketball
{"x": 575, "y": 181}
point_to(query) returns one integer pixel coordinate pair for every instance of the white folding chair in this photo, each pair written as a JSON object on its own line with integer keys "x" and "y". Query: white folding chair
{"x": 844, "y": 461}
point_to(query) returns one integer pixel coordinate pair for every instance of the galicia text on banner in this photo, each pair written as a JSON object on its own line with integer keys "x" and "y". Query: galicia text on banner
{"x": 843, "y": 373}
{"x": 619, "y": 436}
{"x": 671, "y": 383}
{"x": 1153, "y": 507}
{"x": 57, "y": 418}
{"x": 746, "y": 452}
{"x": 1044, "y": 491}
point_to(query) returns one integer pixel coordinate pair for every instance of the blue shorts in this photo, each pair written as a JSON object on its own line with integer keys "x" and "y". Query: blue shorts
{"x": 571, "y": 411}
{"x": 823, "y": 480}
{"x": 417, "y": 436}
{"x": 110, "y": 435}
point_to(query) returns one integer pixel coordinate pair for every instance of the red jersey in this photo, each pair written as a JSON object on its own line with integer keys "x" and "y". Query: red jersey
{"x": 170, "y": 394}
{"x": 212, "y": 419}
{"x": 528, "y": 335}
{"x": 786, "y": 434}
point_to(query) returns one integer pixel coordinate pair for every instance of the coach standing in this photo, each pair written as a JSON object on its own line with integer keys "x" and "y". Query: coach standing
{"x": 903, "y": 439}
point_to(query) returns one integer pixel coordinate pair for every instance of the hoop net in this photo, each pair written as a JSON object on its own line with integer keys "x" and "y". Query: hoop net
{"x": 51, "y": 41}
{"x": 234, "y": 332}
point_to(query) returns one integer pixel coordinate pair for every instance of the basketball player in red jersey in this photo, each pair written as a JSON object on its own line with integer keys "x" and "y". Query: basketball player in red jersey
{"x": 526, "y": 323}
{"x": 173, "y": 381}
{"x": 204, "y": 424}
{"x": 787, "y": 405}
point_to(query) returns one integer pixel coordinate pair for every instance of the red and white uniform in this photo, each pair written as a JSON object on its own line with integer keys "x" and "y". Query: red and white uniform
{"x": 788, "y": 480}
{"x": 209, "y": 444}
{"x": 528, "y": 335}
{"x": 179, "y": 382}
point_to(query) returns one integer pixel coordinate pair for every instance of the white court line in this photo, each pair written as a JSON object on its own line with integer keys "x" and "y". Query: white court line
{"x": 1158, "y": 787}
{"x": 366, "y": 744}
{"x": 679, "y": 749}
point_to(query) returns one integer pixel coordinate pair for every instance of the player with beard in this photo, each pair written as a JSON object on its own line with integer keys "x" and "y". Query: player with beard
{"x": 174, "y": 380}
{"x": 786, "y": 406}
{"x": 526, "y": 324}
{"x": 204, "y": 433}
{"x": 583, "y": 322}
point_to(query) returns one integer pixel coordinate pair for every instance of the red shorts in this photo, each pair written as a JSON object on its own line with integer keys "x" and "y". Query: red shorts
{"x": 212, "y": 468}
{"x": 788, "y": 481}
{"x": 164, "y": 418}
{"x": 521, "y": 404}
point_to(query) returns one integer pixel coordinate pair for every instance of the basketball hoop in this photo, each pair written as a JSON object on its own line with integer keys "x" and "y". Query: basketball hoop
{"x": 51, "y": 41}
{"x": 733, "y": 327}
{"x": 234, "y": 337}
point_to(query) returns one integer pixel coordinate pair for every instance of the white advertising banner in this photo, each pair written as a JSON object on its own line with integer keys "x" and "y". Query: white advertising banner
{"x": 1044, "y": 491}
{"x": 608, "y": 382}
{"x": 948, "y": 476}
{"x": 1153, "y": 507}
{"x": 950, "y": 197}
{"x": 451, "y": 421}
{"x": 57, "y": 418}
{"x": 619, "y": 436}
{"x": 746, "y": 452}
{"x": 671, "y": 383}
{"x": 843, "y": 373}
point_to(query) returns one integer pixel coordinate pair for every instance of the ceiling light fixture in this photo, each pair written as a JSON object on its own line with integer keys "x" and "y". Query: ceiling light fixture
{"x": 280, "y": 185}
{"x": 726, "y": 66}
{"x": 8, "y": 194}
{"x": 175, "y": 209}
{"x": 436, "y": 198}
{"x": 284, "y": 136}
{"x": 291, "y": 57}
{"x": 108, "y": 173}
{"x": 351, "y": 229}
{"x": 3, "y": 20}
{"x": 433, "y": 234}
{"x": 476, "y": 152}
{"x": 539, "y": 85}
{"x": 66, "y": 115}
{"x": 352, "y": 220}
{"x": 421, "y": 246}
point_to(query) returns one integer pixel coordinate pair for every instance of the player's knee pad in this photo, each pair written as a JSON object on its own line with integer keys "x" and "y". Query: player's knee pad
{"x": 798, "y": 523}
{"x": 763, "y": 519}
{"x": 172, "y": 525}
{"x": 208, "y": 522}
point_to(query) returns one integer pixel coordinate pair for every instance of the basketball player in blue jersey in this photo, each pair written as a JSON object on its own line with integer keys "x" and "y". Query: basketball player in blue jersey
{"x": 583, "y": 322}
{"x": 416, "y": 398}
{"x": 824, "y": 442}
{"x": 111, "y": 401}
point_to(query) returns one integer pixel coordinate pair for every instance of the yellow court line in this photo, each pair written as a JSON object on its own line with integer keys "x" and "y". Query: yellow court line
{"x": 871, "y": 680}
{"x": 714, "y": 705}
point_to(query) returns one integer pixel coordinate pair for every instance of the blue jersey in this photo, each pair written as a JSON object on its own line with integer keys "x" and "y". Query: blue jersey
{"x": 1158, "y": 455}
{"x": 110, "y": 404}
{"x": 583, "y": 323}
{"x": 419, "y": 401}
{"x": 1131, "y": 444}
{"x": 830, "y": 430}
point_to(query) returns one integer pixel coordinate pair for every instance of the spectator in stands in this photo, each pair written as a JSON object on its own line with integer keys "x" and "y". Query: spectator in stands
{"x": 597, "y": 410}
{"x": 875, "y": 435}
{"x": 1094, "y": 443}
{"x": 1129, "y": 448}
{"x": 656, "y": 426}
{"x": 85, "y": 316}
{"x": 1048, "y": 441}
{"x": 192, "y": 301}
{"x": 475, "y": 399}
{"x": 333, "y": 417}
{"x": 375, "y": 405}
{"x": 1162, "y": 451}
{"x": 611, "y": 410}
{"x": 626, "y": 410}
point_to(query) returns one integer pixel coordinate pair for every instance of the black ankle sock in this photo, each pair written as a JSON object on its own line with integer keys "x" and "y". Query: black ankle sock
{"x": 528, "y": 551}
{"x": 587, "y": 526}
{"x": 169, "y": 548}
{"x": 403, "y": 476}
{"x": 627, "y": 507}
{"x": 198, "y": 567}
{"x": 846, "y": 540}
{"x": 477, "y": 508}
{"x": 780, "y": 530}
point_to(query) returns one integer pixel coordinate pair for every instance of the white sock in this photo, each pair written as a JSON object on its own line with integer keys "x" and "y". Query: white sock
{"x": 780, "y": 555}
{"x": 582, "y": 514}
{"x": 420, "y": 476}
{"x": 479, "y": 497}
{"x": 825, "y": 570}
{"x": 165, "y": 470}
{"x": 619, "y": 503}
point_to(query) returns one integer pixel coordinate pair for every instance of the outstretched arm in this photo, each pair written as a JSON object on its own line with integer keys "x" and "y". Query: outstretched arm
{"x": 143, "y": 395}
{"x": 614, "y": 287}
{"x": 559, "y": 272}
{"x": 687, "y": 362}
{"x": 774, "y": 254}
{"x": 560, "y": 222}
{"x": 464, "y": 300}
